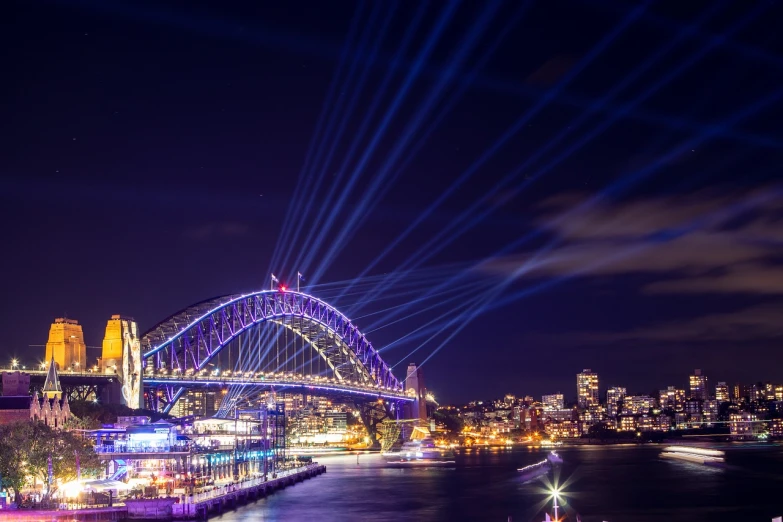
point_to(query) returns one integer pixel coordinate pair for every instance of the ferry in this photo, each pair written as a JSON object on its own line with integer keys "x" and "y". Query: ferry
{"x": 420, "y": 453}
{"x": 539, "y": 469}
{"x": 707, "y": 457}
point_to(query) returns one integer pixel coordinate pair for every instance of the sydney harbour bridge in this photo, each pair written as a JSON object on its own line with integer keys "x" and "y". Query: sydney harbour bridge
{"x": 278, "y": 340}
{"x": 275, "y": 340}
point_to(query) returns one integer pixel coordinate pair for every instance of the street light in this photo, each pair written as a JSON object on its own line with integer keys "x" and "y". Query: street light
{"x": 14, "y": 363}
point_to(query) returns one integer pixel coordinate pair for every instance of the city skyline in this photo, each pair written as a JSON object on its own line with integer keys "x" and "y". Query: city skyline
{"x": 504, "y": 219}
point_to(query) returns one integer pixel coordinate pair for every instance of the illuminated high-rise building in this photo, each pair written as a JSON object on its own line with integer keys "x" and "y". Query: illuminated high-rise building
{"x": 587, "y": 389}
{"x": 722, "y": 392}
{"x": 66, "y": 344}
{"x": 613, "y": 397}
{"x": 553, "y": 402}
{"x": 698, "y": 386}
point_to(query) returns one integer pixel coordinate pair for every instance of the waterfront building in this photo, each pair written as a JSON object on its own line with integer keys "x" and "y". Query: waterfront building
{"x": 722, "y": 392}
{"x": 66, "y": 344}
{"x": 710, "y": 410}
{"x": 614, "y": 395}
{"x": 567, "y": 429}
{"x": 562, "y": 414}
{"x": 744, "y": 425}
{"x": 627, "y": 423}
{"x": 776, "y": 428}
{"x": 553, "y": 402}
{"x": 698, "y": 386}
{"x": 589, "y": 418}
{"x": 681, "y": 420}
{"x": 587, "y": 389}
{"x": 637, "y": 404}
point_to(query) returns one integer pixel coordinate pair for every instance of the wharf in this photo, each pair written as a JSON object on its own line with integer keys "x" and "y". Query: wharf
{"x": 200, "y": 505}
{"x": 107, "y": 514}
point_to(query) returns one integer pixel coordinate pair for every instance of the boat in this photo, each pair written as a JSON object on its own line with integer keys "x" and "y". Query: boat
{"x": 539, "y": 469}
{"x": 420, "y": 453}
{"x": 705, "y": 456}
{"x": 554, "y": 458}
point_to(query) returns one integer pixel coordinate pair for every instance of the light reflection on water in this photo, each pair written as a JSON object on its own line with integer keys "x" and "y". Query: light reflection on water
{"x": 614, "y": 483}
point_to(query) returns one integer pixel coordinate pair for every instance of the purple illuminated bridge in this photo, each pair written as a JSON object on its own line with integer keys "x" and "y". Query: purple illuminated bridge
{"x": 283, "y": 340}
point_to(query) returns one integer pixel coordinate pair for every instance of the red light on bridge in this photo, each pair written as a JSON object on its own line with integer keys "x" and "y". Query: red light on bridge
{"x": 282, "y": 288}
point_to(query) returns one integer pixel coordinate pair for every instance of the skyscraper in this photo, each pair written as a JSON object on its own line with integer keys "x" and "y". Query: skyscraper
{"x": 698, "y": 384}
{"x": 613, "y": 396}
{"x": 587, "y": 389}
{"x": 722, "y": 392}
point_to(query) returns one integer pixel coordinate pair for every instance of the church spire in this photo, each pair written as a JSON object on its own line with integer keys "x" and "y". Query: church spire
{"x": 52, "y": 389}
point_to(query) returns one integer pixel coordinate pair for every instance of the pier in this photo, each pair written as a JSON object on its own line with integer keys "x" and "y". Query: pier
{"x": 201, "y": 505}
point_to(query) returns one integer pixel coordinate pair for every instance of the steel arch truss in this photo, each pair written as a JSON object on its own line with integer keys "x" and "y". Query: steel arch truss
{"x": 187, "y": 341}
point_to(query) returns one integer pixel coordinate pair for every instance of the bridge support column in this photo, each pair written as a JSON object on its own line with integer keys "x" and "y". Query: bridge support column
{"x": 372, "y": 415}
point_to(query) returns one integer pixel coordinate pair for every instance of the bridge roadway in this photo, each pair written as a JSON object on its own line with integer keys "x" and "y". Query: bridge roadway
{"x": 282, "y": 382}
{"x": 70, "y": 375}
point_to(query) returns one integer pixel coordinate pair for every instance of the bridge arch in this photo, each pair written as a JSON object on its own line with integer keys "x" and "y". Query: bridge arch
{"x": 186, "y": 342}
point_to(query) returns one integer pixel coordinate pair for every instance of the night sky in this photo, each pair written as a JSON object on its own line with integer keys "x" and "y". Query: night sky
{"x": 547, "y": 186}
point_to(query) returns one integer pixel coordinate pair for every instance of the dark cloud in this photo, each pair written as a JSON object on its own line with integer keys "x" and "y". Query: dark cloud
{"x": 701, "y": 243}
{"x": 751, "y": 324}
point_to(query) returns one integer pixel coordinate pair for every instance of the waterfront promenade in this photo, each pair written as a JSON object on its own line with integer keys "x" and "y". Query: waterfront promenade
{"x": 186, "y": 507}
{"x": 220, "y": 498}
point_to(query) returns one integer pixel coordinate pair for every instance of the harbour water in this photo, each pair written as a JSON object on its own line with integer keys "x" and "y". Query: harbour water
{"x": 613, "y": 483}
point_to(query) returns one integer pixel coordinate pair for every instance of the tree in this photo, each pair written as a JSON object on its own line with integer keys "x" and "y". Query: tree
{"x": 14, "y": 440}
{"x": 25, "y": 449}
{"x": 64, "y": 447}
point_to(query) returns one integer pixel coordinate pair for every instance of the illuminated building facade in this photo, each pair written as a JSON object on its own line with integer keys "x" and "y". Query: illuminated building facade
{"x": 66, "y": 344}
{"x": 741, "y": 393}
{"x": 614, "y": 395}
{"x": 553, "y": 402}
{"x": 637, "y": 404}
{"x": 672, "y": 399}
{"x": 776, "y": 428}
{"x": 744, "y": 425}
{"x": 710, "y": 409}
{"x": 627, "y": 423}
{"x": 562, "y": 414}
{"x": 121, "y": 354}
{"x": 722, "y": 392}
{"x": 698, "y": 386}
{"x": 568, "y": 429}
{"x": 587, "y": 389}
{"x": 198, "y": 403}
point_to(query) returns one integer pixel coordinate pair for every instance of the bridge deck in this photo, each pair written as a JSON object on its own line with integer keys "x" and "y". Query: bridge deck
{"x": 292, "y": 385}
